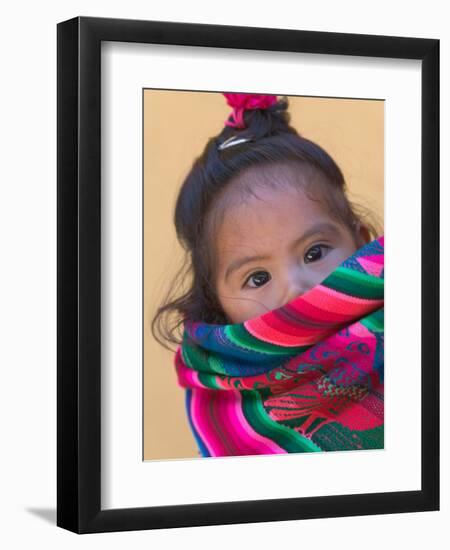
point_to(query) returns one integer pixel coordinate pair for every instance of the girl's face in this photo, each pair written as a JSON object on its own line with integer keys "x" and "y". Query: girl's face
{"x": 274, "y": 247}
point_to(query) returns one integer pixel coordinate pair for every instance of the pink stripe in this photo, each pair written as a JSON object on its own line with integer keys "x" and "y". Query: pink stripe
{"x": 303, "y": 305}
{"x": 227, "y": 410}
{"x": 187, "y": 377}
{"x": 277, "y": 328}
{"x": 254, "y": 441}
{"x": 285, "y": 340}
{"x": 336, "y": 302}
{"x": 372, "y": 265}
{"x": 199, "y": 416}
{"x": 222, "y": 407}
{"x": 313, "y": 312}
{"x": 321, "y": 301}
{"x": 377, "y": 258}
{"x": 359, "y": 330}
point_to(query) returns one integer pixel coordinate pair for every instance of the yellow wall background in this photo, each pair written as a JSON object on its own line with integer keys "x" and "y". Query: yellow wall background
{"x": 177, "y": 125}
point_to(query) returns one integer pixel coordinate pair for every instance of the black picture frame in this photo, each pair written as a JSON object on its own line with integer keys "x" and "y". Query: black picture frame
{"x": 79, "y": 276}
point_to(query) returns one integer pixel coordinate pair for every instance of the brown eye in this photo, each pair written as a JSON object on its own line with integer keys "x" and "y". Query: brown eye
{"x": 314, "y": 253}
{"x": 259, "y": 278}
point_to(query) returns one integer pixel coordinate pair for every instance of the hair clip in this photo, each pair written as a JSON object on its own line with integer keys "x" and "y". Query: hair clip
{"x": 233, "y": 140}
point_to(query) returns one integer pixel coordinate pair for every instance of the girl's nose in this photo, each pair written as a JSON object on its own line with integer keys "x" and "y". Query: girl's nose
{"x": 295, "y": 287}
{"x": 293, "y": 292}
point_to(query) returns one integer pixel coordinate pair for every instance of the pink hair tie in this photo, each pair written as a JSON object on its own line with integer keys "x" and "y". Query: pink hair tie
{"x": 242, "y": 102}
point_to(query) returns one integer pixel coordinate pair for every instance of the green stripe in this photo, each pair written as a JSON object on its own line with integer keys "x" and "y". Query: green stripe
{"x": 285, "y": 437}
{"x": 197, "y": 359}
{"x": 375, "y": 321}
{"x": 354, "y": 283}
{"x": 209, "y": 380}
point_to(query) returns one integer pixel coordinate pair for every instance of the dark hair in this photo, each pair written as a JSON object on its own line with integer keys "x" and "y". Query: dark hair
{"x": 201, "y": 203}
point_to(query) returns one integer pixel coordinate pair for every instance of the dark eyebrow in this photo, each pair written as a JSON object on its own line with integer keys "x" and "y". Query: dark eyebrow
{"x": 321, "y": 227}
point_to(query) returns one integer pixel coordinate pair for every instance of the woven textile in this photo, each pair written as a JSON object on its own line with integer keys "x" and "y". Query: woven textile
{"x": 305, "y": 377}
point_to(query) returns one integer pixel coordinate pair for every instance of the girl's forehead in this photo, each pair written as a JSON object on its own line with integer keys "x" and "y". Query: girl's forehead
{"x": 271, "y": 181}
{"x": 285, "y": 206}
{"x": 283, "y": 173}
{"x": 277, "y": 202}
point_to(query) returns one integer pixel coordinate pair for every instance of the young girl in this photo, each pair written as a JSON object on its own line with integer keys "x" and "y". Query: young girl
{"x": 282, "y": 344}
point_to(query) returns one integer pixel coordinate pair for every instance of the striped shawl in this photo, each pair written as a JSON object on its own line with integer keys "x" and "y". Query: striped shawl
{"x": 305, "y": 377}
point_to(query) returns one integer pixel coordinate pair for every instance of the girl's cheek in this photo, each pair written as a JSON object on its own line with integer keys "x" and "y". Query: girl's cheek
{"x": 322, "y": 269}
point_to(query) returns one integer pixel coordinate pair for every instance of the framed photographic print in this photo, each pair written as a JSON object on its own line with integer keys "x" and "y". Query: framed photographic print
{"x": 226, "y": 200}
